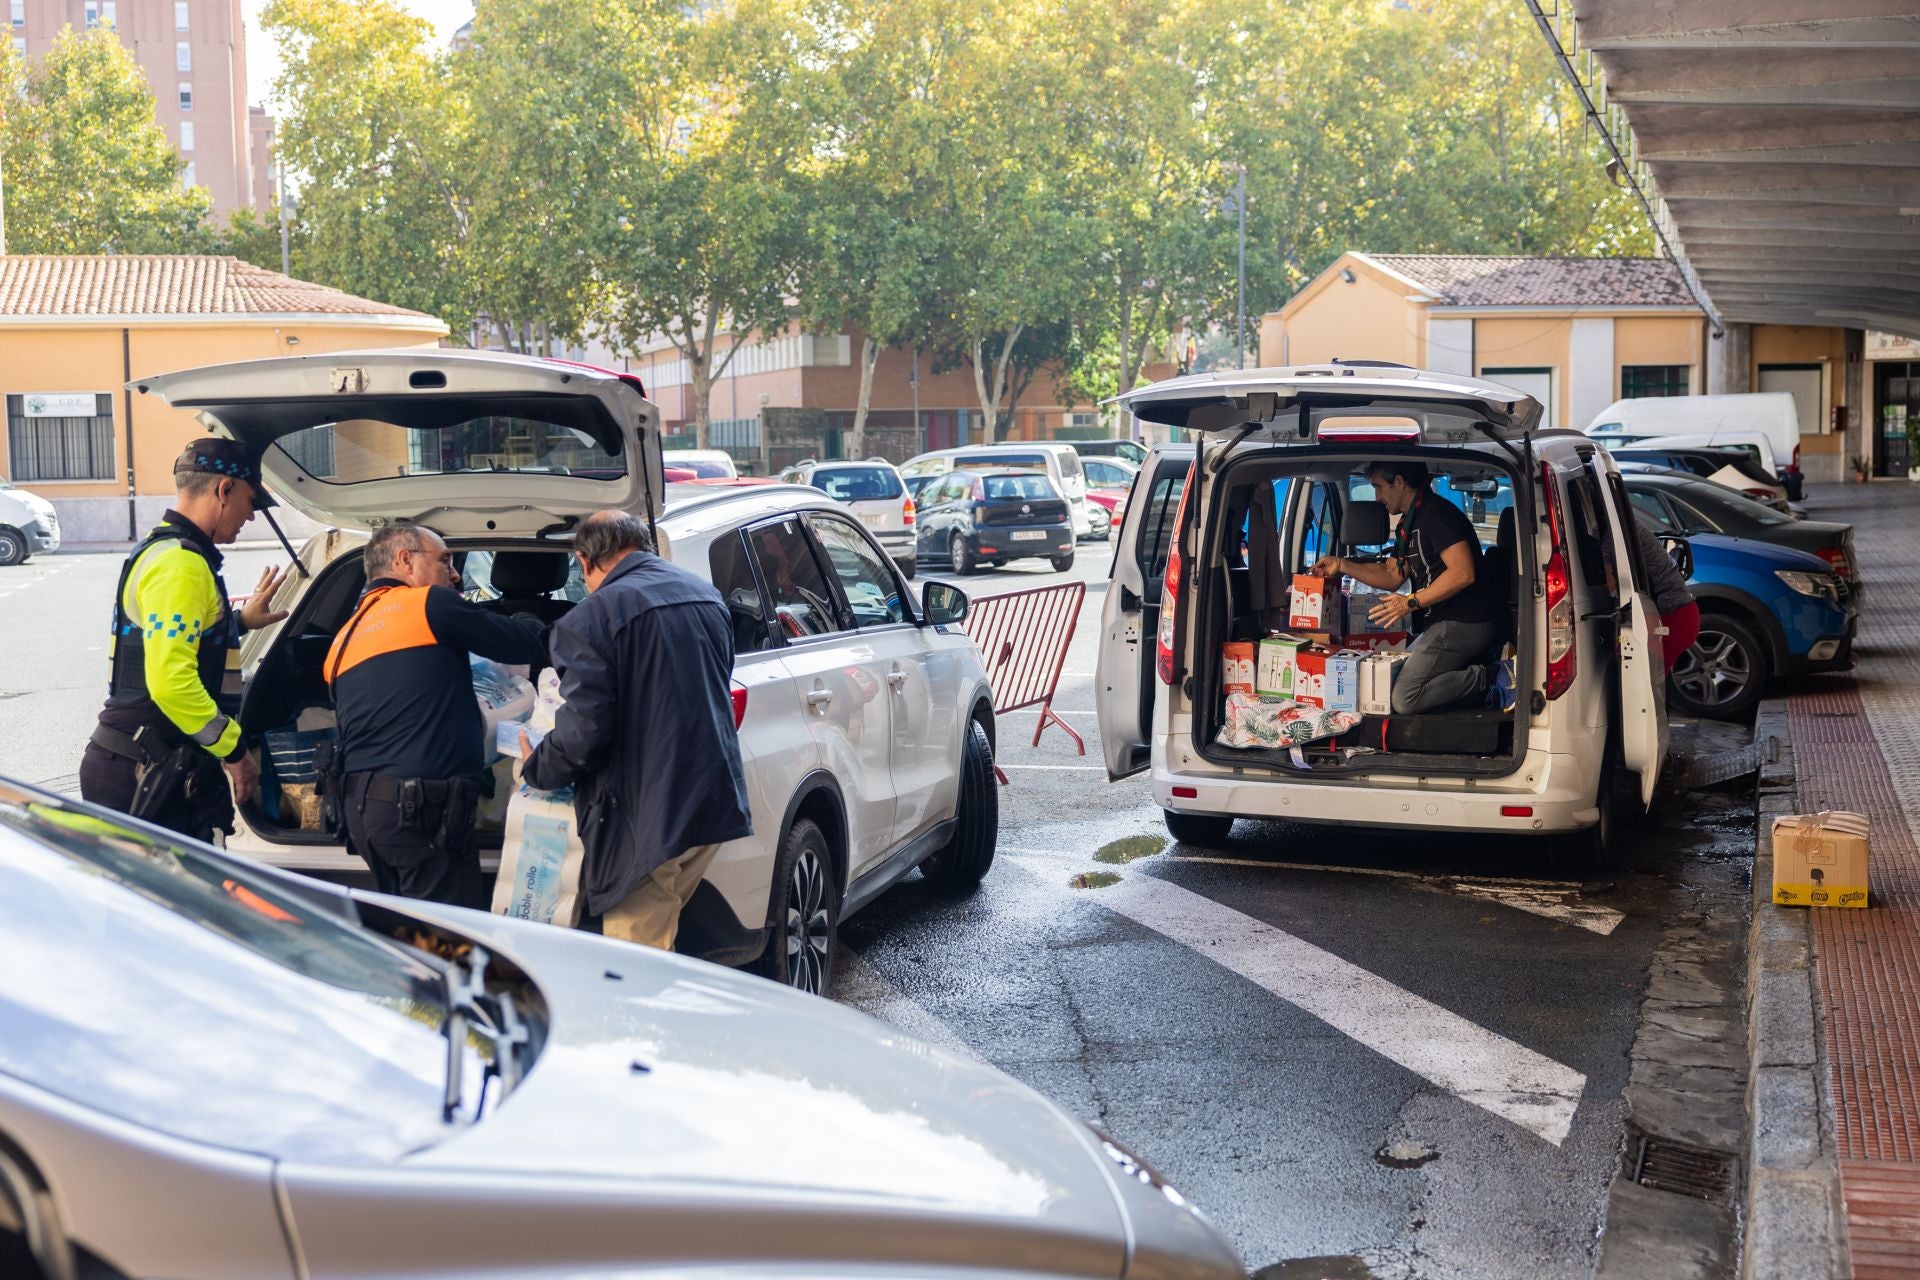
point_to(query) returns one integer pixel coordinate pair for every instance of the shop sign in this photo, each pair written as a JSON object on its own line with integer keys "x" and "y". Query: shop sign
{"x": 1891, "y": 346}
{"x": 61, "y": 404}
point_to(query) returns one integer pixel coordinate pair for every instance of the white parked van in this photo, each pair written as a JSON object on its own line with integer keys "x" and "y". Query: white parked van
{"x": 1060, "y": 461}
{"x": 1550, "y": 511}
{"x": 1714, "y": 421}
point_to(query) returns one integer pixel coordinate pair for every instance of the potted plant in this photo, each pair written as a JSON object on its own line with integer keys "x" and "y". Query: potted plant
{"x": 1862, "y": 468}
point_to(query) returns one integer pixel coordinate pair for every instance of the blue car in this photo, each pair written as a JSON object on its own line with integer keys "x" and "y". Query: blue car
{"x": 1765, "y": 611}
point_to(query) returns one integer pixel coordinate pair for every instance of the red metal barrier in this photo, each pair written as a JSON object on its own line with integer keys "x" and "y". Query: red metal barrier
{"x": 1023, "y": 637}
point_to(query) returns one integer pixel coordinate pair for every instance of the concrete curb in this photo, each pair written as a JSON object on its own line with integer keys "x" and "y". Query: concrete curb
{"x": 1795, "y": 1222}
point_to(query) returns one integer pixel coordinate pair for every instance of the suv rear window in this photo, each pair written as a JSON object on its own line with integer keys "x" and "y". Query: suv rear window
{"x": 555, "y": 441}
{"x": 1008, "y": 488}
{"x": 856, "y": 484}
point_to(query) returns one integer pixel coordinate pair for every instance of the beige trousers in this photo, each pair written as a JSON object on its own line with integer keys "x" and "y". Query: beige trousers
{"x": 650, "y": 915}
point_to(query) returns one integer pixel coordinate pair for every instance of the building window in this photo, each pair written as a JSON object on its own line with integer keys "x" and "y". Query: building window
{"x": 48, "y": 440}
{"x": 92, "y": 14}
{"x": 1637, "y": 380}
{"x": 179, "y": 15}
{"x": 19, "y": 9}
{"x": 186, "y": 96}
{"x": 186, "y": 135}
{"x": 20, "y": 47}
{"x": 183, "y": 56}
{"x": 187, "y": 178}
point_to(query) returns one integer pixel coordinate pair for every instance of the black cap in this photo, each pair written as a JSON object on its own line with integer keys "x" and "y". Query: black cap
{"x": 218, "y": 457}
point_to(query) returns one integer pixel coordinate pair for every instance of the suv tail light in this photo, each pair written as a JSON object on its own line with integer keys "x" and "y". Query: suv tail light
{"x": 1170, "y": 588}
{"x": 1796, "y": 457}
{"x": 739, "y": 703}
{"x": 906, "y": 510}
{"x": 1839, "y": 558}
{"x": 1562, "y": 652}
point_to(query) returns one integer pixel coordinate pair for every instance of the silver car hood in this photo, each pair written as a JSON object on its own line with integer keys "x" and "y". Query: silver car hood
{"x": 662, "y": 1067}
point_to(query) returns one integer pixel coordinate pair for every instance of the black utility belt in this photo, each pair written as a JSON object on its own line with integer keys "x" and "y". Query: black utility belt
{"x": 453, "y": 799}
{"x": 383, "y": 786}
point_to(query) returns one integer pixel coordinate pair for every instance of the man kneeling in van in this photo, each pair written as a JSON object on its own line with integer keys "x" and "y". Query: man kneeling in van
{"x": 1451, "y": 605}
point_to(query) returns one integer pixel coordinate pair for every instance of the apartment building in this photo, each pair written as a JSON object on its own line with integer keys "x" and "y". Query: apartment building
{"x": 195, "y": 58}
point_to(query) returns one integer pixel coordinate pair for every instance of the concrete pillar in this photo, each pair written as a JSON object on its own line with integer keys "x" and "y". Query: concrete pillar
{"x": 1730, "y": 361}
{"x": 1859, "y": 438}
{"x": 1590, "y": 377}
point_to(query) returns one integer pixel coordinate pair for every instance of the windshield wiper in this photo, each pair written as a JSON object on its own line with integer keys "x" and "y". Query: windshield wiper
{"x": 470, "y": 1007}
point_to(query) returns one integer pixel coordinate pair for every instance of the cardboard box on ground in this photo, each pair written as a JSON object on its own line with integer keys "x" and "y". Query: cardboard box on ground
{"x": 1820, "y": 859}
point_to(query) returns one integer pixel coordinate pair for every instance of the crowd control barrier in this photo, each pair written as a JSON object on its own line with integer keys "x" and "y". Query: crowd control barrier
{"x": 1023, "y": 637}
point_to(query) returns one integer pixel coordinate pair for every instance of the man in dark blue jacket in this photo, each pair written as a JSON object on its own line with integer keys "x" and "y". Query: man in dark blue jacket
{"x": 646, "y": 736}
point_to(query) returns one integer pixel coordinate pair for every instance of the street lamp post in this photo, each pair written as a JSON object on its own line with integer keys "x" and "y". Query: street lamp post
{"x": 1240, "y": 311}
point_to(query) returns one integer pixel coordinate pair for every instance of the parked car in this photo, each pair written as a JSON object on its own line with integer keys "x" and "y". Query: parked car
{"x": 1681, "y": 505}
{"x": 1714, "y": 419}
{"x": 1590, "y": 702}
{"x": 1058, "y": 462}
{"x": 28, "y": 525}
{"x": 1723, "y": 468}
{"x": 706, "y": 464}
{"x": 307, "y": 1081}
{"x": 873, "y": 491}
{"x": 1108, "y": 480}
{"x": 866, "y": 724}
{"x": 1765, "y": 611}
{"x": 969, "y": 518}
{"x": 1131, "y": 451}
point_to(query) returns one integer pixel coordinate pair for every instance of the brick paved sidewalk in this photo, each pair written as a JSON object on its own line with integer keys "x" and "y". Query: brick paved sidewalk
{"x": 1856, "y": 743}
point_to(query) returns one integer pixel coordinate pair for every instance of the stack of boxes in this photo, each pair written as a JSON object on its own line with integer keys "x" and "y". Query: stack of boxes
{"x": 1323, "y": 661}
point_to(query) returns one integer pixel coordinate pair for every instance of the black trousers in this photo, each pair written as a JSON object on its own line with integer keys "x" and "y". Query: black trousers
{"x": 108, "y": 780}
{"x": 404, "y": 859}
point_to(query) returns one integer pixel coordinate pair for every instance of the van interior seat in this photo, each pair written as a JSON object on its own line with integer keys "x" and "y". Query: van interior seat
{"x": 1365, "y": 524}
{"x": 525, "y": 581}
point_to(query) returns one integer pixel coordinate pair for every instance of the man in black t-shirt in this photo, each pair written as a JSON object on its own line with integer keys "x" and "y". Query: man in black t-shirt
{"x": 1434, "y": 549}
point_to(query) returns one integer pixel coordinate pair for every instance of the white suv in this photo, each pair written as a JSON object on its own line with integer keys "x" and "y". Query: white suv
{"x": 1549, "y": 508}
{"x": 873, "y": 491}
{"x": 866, "y": 724}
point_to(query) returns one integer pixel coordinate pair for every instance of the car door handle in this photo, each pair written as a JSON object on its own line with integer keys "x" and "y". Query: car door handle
{"x": 819, "y": 697}
{"x": 896, "y": 678}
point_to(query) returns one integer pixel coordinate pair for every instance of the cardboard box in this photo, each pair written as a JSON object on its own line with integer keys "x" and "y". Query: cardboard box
{"x": 1379, "y": 642}
{"x": 1315, "y": 604}
{"x": 1310, "y": 676}
{"x": 1236, "y": 661}
{"x": 1276, "y": 665}
{"x": 300, "y": 805}
{"x": 1358, "y": 602}
{"x": 1820, "y": 859}
{"x": 1343, "y": 680}
{"x": 1376, "y": 682}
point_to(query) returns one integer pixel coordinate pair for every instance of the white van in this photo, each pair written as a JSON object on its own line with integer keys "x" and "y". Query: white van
{"x": 1715, "y": 420}
{"x": 1060, "y": 461}
{"x": 1550, "y": 510}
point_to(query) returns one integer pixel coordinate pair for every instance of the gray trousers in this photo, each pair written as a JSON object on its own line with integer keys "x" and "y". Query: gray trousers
{"x": 1443, "y": 668}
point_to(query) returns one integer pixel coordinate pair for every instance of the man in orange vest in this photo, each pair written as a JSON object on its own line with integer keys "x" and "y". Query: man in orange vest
{"x": 411, "y": 744}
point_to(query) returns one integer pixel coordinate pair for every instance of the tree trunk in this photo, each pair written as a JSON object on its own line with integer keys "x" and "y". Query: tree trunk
{"x": 702, "y": 382}
{"x": 1000, "y": 368}
{"x": 1126, "y": 359}
{"x": 990, "y": 403}
{"x": 869, "y": 357}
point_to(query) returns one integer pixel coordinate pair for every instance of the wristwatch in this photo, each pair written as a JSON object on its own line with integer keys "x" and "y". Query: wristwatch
{"x": 1413, "y": 600}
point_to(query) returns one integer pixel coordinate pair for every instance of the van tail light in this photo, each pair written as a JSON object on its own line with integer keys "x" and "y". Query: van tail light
{"x": 739, "y": 703}
{"x": 1796, "y": 457}
{"x": 1838, "y": 558}
{"x": 906, "y": 511}
{"x": 1765, "y": 495}
{"x": 1562, "y": 652}
{"x": 1170, "y": 588}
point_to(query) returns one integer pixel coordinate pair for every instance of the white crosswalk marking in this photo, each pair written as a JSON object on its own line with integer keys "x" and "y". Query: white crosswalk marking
{"x": 1476, "y": 1065}
{"x": 1554, "y": 904}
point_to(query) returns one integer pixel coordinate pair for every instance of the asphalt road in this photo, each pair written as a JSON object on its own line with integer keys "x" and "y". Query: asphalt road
{"x": 1390, "y": 1055}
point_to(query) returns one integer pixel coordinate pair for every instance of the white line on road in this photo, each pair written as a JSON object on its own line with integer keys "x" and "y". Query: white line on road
{"x": 857, "y": 983}
{"x": 1491, "y": 1072}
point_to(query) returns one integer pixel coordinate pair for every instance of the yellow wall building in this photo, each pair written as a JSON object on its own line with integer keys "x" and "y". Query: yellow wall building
{"x": 75, "y": 329}
{"x": 1576, "y": 333}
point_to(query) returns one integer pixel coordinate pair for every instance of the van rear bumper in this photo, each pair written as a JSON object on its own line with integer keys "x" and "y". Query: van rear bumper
{"x": 1559, "y": 797}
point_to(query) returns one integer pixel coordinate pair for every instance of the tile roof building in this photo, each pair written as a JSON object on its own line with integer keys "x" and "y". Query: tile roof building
{"x": 74, "y": 330}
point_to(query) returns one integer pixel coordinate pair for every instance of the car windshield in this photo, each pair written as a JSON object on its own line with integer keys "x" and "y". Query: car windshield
{"x": 1010, "y": 488}
{"x": 1719, "y": 500}
{"x": 854, "y": 484}
{"x": 152, "y": 983}
{"x": 995, "y": 461}
{"x": 546, "y": 437}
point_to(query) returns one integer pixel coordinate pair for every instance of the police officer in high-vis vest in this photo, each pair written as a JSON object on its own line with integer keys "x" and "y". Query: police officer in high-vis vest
{"x": 169, "y": 726}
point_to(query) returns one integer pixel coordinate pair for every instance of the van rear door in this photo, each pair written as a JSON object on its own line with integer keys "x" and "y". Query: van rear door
{"x": 1130, "y": 615}
{"x": 1643, "y": 680}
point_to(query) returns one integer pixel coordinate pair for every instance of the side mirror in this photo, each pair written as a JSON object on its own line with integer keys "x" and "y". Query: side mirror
{"x": 1680, "y": 551}
{"x": 943, "y": 603}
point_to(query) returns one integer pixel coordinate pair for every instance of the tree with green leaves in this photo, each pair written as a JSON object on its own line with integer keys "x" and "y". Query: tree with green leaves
{"x": 84, "y": 165}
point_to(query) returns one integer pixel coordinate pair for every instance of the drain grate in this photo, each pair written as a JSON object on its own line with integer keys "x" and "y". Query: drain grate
{"x": 1683, "y": 1170}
